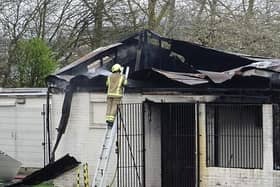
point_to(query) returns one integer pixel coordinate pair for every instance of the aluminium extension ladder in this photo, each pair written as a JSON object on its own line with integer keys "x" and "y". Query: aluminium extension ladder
{"x": 103, "y": 160}
{"x": 98, "y": 180}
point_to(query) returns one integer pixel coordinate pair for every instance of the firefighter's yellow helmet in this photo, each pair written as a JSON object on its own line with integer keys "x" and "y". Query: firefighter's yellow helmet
{"x": 116, "y": 67}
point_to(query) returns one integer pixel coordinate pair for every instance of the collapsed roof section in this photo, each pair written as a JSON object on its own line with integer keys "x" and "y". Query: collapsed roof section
{"x": 157, "y": 63}
{"x": 50, "y": 171}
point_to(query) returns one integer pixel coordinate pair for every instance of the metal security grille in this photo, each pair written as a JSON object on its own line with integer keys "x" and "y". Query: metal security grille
{"x": 276, "y": 137}
{"x": 234, "y": 135}
{"x": 131, "y": 161}
{"x": 178, "y": 145}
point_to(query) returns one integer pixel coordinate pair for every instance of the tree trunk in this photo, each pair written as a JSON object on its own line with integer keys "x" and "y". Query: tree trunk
{"x": 250, "y": 9}
{"x": 152, "y": 14}
{"x": 10, "y": 63}
{"x": 44, "y": 19}
{"x": 133, "y": 15}
{"x": 213, "y": 14}
{"x": 171, "y": 18}
{"x": 213, "y": 10}
{"x": 98, "y": 22}
{"x": 201, "y": 9}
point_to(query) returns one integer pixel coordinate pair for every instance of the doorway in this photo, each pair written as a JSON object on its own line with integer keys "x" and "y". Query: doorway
{"x": 178, "y": 148}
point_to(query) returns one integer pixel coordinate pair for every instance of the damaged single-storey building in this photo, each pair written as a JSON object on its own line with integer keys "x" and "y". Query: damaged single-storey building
{"x": 190, "y": 116}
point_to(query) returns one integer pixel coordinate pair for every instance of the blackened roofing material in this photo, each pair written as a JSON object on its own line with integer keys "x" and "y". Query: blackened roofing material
{"x": 64, "y": 118}
{"x": 121, "y": 52}
{"x": 186, "y": 78}
{"x": 158, "y": 66}
{"x": 49, "y": 172}
{"x": 88, "y": 58}
{"x": 208, "y": 59}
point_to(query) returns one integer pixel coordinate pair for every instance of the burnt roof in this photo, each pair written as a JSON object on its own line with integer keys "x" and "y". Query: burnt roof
{"x": 160, "y": 63}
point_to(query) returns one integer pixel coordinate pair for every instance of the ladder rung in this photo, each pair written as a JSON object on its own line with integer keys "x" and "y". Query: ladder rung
{"x": 106, "y": 148}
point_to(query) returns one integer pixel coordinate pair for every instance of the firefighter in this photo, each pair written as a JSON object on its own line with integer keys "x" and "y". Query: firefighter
{"x": 115, "y": 83}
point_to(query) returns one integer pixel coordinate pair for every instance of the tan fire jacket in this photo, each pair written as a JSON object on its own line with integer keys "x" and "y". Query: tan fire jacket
{"x": 115, "y": 83}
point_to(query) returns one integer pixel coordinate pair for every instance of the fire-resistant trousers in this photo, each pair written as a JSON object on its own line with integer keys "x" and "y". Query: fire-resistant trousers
{"x": 112, "y": 104}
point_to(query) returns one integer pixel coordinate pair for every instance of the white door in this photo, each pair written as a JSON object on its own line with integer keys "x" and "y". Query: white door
{"x": 21, "y": 133}
{"x": 29, "y": 135}
{"x": 7, "y": 129}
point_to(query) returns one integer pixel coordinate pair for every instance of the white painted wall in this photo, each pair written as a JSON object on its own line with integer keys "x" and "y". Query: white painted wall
{"x": 153, "y": 145}
{"x": 76, "y": 135}
{"x": 83, "y": 139}
{"x": 21, "y": 129}
{"x": 84, "y": 135}
{"x": 85, "y": 132}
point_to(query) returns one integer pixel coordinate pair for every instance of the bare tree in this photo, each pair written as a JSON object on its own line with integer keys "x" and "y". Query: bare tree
{"x": 246, "y": 26}
{"x": 14, "y": 18}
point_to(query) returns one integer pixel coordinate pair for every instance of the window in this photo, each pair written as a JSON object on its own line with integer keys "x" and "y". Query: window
{"x": 234, "y": 135}
{"x": 276, "y": 137}
{"x": 98, "y": 114}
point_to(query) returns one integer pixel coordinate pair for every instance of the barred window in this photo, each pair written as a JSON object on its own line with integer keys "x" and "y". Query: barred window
{"x": 234, "y": 135}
